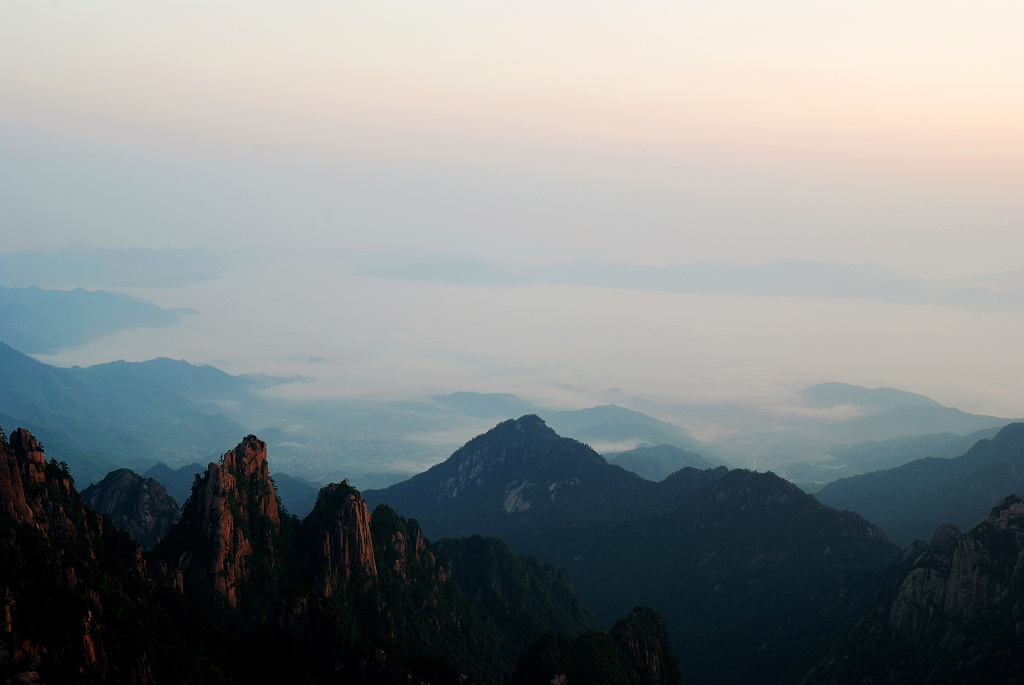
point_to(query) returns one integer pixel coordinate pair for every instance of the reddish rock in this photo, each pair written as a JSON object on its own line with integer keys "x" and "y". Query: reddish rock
{"x": 232, "y": 511}
{"x": 343, "y": 528}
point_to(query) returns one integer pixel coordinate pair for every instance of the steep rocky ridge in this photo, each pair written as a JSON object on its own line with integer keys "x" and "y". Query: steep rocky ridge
{"x": 229, "y": 525}
{"x": 69, "y": 584}
{"x": 138, "y": 505}
{"x": 340, "y": 527}
{"x": 241, "y": 591}
{"x": 956, "y": 616}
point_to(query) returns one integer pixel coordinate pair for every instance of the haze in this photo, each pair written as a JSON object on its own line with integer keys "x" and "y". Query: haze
{"x": 312, "y": 145}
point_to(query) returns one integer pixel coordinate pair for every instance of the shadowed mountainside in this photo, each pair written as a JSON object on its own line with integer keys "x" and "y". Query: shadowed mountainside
{"x": 911, "y": 500}
{"x": 240, "y": 591}
{"x": 955, "y": 616}
{"x": 750, "y": 573}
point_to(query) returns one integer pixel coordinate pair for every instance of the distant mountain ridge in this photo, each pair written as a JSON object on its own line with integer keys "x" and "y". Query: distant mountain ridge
{"x": 44, "y": 321}
{"x": 779, "y": 278}
{"x": 833, "y": 394}
{"x": 911, "y": 500}
{"x": 658, "y": 462}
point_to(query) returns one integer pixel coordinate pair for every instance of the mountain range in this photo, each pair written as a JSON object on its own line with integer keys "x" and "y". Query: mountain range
{"x": 239, "y": 590}
{"x": 910, "y": 501}
{"x": 834, "y": 430}
{"x": 752, "y": 579}
{"x": 750, "y": 574}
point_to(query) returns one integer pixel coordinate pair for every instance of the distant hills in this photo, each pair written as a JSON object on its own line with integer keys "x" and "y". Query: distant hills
{"x": 910, "y": 501}
{"x": 41, "y": 321}
{"x": 170, "y": 411}
{"x": 659, "y": 461}
{"x": 122, "y": 414}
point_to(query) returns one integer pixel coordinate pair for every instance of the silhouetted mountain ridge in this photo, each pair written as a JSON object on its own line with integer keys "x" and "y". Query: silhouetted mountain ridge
{"x": 911, "y": 500}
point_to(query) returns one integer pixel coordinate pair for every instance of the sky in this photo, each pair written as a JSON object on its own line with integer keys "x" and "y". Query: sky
{"x": 524, "y": 133}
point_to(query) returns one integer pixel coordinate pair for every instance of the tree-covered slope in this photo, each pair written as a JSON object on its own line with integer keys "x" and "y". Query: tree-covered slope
{"x": 911, "y": 500}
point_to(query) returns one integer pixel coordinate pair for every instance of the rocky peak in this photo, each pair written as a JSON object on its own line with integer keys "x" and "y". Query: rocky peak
{"x": 502, "y": 455}
{"x": 33, "y": 492}
{"x": 29, "y": 455}
{"x": 340, "y": 525}
{"x": 231, "y": 515}
{"x": 136, "y": 504}
{"x": 954, "y": 616}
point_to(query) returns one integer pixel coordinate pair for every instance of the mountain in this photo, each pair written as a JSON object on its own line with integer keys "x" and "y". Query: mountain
{"x": 816, "y": 439}
{"x": 834, "y": 394}
{"x": 520, "y": 476}
{"x": 76, "y": 603}
{"x": 138, "y": 505}
{"x": 910, "y": 501}
{"x": 297, "y": 495}
{"x": 874, "y": 455}
{"x": 241, "y": 591}
{"x": 750, "y": 573}
{"x": 44, "y": 321}
{"x": 610, "y": 424}
{"x": 953, "y": 617}
{"x": 178, "y": 482}
{"x": 655, "y": 463}
{"x": 100, "y": 419}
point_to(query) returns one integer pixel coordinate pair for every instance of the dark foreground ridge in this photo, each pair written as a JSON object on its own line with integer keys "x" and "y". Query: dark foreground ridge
{"x": 241, "y": 591}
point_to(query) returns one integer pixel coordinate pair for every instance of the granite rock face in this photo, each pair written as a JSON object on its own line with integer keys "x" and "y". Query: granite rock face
{"x": 231, "y": 516}
{"x": 136, "y": 504}
{"x": 344, "y": 548}
{"x": 53, "y": 618}
{"x": 957, "y": 615}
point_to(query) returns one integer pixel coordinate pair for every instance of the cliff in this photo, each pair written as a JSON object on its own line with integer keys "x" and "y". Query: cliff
{"x": 239, "y": 591}
{"x": 342, "y": 549}
{"x": 138, "y": 505}
{"x": 60, "y": 614}
{"x": 955, "y": 616}
{"x": 229, "y": 526}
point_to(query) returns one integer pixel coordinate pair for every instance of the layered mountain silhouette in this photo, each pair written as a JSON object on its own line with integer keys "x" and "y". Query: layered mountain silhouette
{"x": 44, "y": 321}
{"x": 658, "y": 461}
{"x": 241, "y": 591}
{"x": 750, "y": 573}
{"x": 910, "y": 501}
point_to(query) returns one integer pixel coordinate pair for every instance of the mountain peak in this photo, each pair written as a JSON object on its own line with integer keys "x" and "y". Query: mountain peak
{"x": 231, "y": 514}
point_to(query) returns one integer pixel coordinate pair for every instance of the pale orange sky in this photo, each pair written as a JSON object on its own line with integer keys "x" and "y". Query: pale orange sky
{"x": 534, "y": 132}
{"x": 751, "y": 130}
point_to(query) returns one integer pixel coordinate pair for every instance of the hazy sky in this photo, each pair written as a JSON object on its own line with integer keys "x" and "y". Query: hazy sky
{"x": 669, "y": 132}
{"x": 520, "y": 131}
